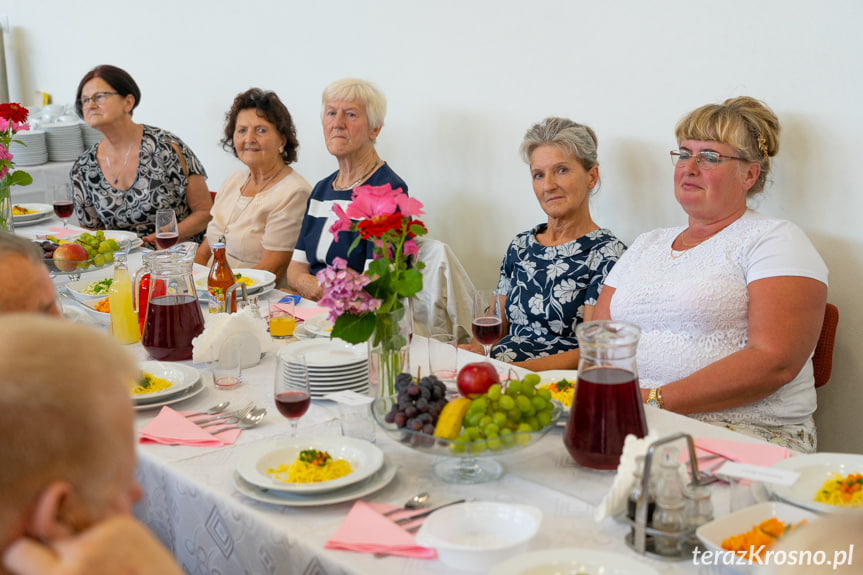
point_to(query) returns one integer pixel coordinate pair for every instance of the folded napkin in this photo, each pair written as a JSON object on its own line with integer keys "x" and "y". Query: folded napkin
{"x": 62, "y": 232}
{"x": 305, "y": 313}
{"x": 172, "y": 428}
{"x": 367, "y": 531}
{"x": 252, "y": 331}
{"x": 764, "y": 454}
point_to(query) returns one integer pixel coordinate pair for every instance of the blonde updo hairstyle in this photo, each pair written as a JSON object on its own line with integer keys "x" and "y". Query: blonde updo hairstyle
{"x": 577, "y": 139}
{"x": 356, "y": 90}
{"x": 743, "y": 122}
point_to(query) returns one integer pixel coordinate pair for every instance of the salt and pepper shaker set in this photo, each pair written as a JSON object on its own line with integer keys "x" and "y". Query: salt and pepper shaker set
{"x": 672, "y": 508}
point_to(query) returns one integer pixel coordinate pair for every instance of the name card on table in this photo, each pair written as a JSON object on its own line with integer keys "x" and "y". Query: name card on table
{"x": 758, "y": 473}
{"x": 348, "y": 397}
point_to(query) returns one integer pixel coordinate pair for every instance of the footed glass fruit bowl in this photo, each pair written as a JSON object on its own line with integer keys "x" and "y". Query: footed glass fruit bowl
{"x": 467, "y": 461}
{"x": 74, "y": 268}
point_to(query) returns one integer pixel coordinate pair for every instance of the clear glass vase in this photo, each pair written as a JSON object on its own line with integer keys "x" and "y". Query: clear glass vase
{"x": 389, "y": 349}
{"x": 6, "y": 207}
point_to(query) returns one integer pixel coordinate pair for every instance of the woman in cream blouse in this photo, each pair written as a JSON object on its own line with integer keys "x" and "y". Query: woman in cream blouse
{"x": 259, "y": 210}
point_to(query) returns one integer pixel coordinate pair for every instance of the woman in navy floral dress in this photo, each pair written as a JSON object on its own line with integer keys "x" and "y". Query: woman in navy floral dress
{"x": 551, "y": 275}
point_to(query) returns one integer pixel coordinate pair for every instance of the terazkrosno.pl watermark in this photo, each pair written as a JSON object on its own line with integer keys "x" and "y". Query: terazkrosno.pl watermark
{"x": 762, "y": 556}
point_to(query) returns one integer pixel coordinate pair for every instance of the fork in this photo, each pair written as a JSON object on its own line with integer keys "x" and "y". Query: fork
{"x": 238, "y": 413}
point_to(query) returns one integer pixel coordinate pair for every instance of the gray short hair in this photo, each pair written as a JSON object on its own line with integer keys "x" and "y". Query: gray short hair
{"x": 577, "y": 139}
{"x": 12, "y": 244}
{"x": 362, "y": 91}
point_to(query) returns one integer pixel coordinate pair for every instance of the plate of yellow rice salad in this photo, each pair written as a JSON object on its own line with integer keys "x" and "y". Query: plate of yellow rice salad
{"x": 561, "y": 384}
{"x": 160, "y": 380}
{"x": 310, "y": 464}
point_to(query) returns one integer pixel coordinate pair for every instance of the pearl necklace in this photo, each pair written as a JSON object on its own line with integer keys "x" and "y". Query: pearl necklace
{"x": 358, "y": 181}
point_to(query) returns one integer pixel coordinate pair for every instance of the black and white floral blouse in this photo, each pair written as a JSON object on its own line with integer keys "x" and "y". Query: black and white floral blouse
{"x": 160, "y": 183}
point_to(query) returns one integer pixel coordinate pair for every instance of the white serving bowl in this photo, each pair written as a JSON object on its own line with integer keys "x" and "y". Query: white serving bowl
{"x": 100, "y": 316}
{"x": 476, "y": 535}
{"x": 713, "y": 533}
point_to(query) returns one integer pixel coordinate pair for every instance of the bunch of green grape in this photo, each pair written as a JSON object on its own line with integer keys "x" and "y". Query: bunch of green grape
{"x": 502, "y": 416}
{"x": 98, "y": 248}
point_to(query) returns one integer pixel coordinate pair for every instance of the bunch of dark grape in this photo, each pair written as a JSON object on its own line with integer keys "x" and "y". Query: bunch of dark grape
{"x": 418, "y": 404}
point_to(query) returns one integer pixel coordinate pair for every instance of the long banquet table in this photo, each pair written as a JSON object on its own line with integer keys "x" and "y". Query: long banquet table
{"x": 193, "y": 507}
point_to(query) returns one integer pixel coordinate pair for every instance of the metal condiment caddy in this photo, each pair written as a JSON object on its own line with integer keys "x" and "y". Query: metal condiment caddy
{"x": 642, "y": 537}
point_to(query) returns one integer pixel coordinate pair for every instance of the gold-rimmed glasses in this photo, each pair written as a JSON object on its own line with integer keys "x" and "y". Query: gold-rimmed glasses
{"x": 98, "y": 98}
{"x": 706, "y": 160}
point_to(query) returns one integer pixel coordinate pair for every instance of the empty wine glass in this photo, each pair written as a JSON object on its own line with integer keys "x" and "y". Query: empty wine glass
{"x": 292, "y": 392}
{"x": 487, "y": 323}
{"x": 63, "y": 205}
{"x": 166, "y": 229}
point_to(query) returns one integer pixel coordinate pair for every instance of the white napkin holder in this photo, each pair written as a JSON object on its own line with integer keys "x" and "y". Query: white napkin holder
{"x": 244, "y": 331}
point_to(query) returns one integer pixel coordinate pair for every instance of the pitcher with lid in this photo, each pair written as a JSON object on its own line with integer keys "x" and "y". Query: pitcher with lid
{"x": 174, "y": 317}
{"x": 607, "y": 403}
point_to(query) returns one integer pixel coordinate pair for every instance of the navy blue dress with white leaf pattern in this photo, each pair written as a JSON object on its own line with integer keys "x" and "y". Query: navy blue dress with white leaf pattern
{"x": 546, "y": 289}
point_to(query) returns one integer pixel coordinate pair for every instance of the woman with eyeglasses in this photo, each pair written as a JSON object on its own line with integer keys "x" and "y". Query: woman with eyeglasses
{"x": 136, "y": 169}
{"x": 259, "y": 210}
{"x": 731, "y": 304}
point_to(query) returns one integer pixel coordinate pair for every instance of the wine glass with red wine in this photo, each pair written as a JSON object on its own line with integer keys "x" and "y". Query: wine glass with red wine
{"x": 63, "y": 205}
{"x": 166, "y": 229}
{"x": 487, "y": 323}
{"x": 292, "y": 393}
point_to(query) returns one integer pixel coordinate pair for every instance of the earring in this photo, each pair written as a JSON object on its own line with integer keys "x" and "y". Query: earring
{"x": 281, "y": 149}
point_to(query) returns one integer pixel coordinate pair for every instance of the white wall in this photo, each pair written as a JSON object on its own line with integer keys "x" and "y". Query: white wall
{"x": 466, "y": 78}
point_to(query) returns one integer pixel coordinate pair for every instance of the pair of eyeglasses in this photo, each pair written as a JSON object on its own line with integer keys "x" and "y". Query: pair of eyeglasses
{"x": 98, "y": 98}
{"x": 707, "y": 160}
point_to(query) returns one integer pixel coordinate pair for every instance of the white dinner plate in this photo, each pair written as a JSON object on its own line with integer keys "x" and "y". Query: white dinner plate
{"x": 188, "y": 393}
{"x": 181, "y": 376}
{"x": 319, "y": 325}
{"x": 115, "y": 235}
{"x": 328, "y": 352}
{"x": 377, "y": 481}
{"x": 260, "y": 279}
{"x": 713, "y": 533}
{"x": 553, "y": 375}
{"x": 41, "y": 212}
{"x": 364, "y": 457}
{"x": 814, "y": 469}
{"x": 572, "y": 560}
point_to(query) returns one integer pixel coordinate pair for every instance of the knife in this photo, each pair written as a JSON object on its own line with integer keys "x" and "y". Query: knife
{"x": 426, "y": 513}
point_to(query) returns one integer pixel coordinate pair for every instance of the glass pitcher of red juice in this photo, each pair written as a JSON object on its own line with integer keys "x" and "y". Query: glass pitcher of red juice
{"x": 173, "y": 317}
{"x": 607, "y": 403}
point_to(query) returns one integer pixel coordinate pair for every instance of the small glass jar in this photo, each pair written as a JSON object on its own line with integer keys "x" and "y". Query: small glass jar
{"x": 635, "y": 493}
{"x": 697, "y": 511}
{"x": 669, "y": 515}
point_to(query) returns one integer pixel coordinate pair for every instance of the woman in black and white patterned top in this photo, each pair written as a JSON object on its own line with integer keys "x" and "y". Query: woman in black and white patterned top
{"x": 136, "y": 169}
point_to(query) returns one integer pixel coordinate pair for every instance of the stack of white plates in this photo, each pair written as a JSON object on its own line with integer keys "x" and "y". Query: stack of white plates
{"x": 91, "y": 135}
{"x": 333, "y": 365}
{"x": 65, "y": 142}
{"x": 33, "y": 149}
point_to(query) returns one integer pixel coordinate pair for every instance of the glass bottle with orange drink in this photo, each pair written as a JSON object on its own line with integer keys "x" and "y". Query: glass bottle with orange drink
{"x": 124, "y": 320}
{"x": 220, "y": 279}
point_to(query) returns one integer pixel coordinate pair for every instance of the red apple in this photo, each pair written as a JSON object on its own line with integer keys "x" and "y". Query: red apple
{"x": 474, "y": 379}
{"x": 67, "y": 256}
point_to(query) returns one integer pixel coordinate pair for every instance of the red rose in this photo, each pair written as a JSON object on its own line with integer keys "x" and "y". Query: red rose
{"x": 14, "y": 112}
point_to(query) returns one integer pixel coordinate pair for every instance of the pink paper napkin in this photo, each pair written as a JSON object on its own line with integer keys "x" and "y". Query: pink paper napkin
{"x": 62, "y": 232}
{"x": 171, "y": 428}
{"x": 305, "y": 313}
{"x": 763, "y": 454}
{"x": 367, "y": 531}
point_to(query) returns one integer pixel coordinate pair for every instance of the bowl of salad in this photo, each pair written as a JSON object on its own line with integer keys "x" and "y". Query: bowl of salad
{"x": 90, "y": 289}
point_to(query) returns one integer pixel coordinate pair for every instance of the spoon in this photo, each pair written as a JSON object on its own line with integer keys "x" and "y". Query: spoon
{"x": 218, "y": 408}
{"x": 414, "y": 502}
{"x": 248, "y": 421}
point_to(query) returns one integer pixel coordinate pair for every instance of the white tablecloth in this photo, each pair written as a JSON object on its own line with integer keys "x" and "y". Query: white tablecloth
{"x": 193, "y": 507}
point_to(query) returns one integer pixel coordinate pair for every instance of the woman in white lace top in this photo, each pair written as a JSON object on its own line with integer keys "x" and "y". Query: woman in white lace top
{"x": 731, "y": 304}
